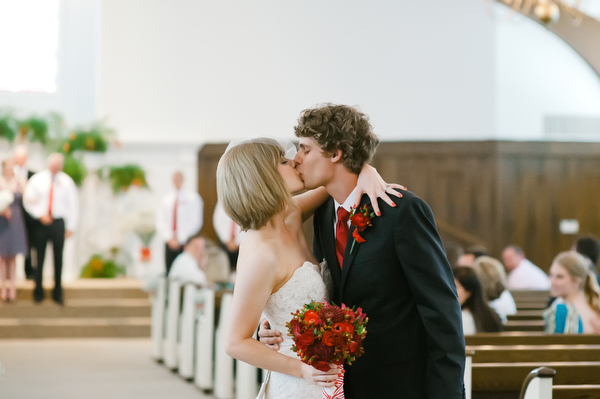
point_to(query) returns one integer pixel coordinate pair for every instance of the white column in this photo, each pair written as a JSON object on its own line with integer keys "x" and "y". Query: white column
{"x": 205, "y": 331}
{"x": 539, "y": 388}
{"x": 170, "y": 350}
{"x": 158, "y": 317}
{"x": 187, "y": 333}
{"x": 223, "y": 363}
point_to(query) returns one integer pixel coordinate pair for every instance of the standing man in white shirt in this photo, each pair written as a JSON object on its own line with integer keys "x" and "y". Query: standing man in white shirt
{"x": 24, "y": 174}
{"x": 230, "y": 234}
{"x": 179, "y": 217}
{"x": 522, "y": 274}
{"x": 50, "y": 197}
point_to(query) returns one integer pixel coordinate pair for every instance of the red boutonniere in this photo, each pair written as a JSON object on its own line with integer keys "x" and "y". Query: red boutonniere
{"x": 361, "y": 218}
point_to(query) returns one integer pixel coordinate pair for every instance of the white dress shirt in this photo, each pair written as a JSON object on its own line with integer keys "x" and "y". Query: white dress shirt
{"x": 347, "y": 205}
{"x": 186, "y": 270}
{"x": 65, "y": 203}
{"x": 468, "y": 323}
{"x": 527, "y": 276}
{"x": 504, "y": 305}
{"x": 189, "y": 215}
{"x": 225, "y": 227}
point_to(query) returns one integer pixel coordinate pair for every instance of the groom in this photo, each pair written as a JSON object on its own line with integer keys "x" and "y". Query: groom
{"x": 399, "y": 275}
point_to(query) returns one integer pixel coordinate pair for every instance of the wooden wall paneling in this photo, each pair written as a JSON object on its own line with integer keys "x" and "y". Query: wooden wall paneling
{"x": 208, "y": 159}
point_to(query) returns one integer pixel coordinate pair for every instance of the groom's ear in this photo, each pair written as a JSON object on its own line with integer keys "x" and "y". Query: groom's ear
{"x": 336, "y": 156}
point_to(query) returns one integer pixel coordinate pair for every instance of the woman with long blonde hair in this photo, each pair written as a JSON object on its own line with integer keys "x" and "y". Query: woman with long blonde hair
{"x": 577, "y": 309}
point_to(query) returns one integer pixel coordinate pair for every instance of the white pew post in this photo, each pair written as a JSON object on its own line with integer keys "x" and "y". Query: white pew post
{"x": 468, "y": 378}
{"x": 188, "y": 323}
{"x": 538, "y": 384}
{"x": 170, "y": 354}
{"x": 205, "y": 332}
{"x": 158, "y": 317}
{"x": 246, "y": 386}
{"x": 223, "y": 363}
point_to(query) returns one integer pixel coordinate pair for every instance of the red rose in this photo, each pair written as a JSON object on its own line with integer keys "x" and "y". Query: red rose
{"x": 328, "y": 338}
{"x": 354, "y": 346}
{"x": 348, "y": 327}
{"x": 295, "y": 327}
{"x": 311, "y": 317}
{"x": 305, "y": 339}
{"x": 360, "y": 220}
{"x": 321, "y": 365}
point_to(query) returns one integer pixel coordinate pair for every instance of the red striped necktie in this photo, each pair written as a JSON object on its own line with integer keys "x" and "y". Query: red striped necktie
{"x": 341, "y": 234}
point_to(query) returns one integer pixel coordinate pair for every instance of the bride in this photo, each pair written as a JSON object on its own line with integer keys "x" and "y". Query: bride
{"x": 276, "y": 271}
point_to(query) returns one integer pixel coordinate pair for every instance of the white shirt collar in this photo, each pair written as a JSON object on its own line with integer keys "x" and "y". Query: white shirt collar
{"x": 348, "y": 203}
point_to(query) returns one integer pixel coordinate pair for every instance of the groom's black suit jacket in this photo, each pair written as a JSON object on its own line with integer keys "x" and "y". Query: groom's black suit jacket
{"x": 401, "y": 278}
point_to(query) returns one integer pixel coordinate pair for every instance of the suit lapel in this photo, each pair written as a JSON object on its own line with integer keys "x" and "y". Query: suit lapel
{"x": 329, "y": 243}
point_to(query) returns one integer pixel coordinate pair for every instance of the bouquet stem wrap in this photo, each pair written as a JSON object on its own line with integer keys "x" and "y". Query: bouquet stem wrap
{"x": 336, "y": 392}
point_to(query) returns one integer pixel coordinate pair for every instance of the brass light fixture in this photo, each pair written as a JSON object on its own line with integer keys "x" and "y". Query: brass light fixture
{"x": 548, "y": 11}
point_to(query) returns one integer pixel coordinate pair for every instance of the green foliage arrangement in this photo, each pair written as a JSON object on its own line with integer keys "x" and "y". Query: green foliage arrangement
{"x": 99, "y": 267}
{"x": 34, "y": 128}
{"x": 75, "y": 168}
{"x": 93, "y": 139}
{"x": 123, "y": 177}
{"x": 8, "y": 126}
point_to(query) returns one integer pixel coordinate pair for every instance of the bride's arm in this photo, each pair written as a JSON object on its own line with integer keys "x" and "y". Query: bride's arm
{"x": 369, "y": 182}
{"x": 254, "y": 283}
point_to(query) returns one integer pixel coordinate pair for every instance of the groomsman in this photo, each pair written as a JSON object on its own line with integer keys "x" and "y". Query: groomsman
{"x": 50, "y": 197}
{"x": 179, "y": 217}
{"x": 230, "y": 234}
{"x": 24, "y": 174}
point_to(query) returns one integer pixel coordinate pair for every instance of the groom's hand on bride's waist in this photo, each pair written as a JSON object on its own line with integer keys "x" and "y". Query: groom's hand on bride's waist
{"x": 271, "y": 338}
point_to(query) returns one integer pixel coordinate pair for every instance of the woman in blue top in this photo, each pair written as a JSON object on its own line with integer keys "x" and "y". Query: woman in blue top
{"x": 577, "y": 308}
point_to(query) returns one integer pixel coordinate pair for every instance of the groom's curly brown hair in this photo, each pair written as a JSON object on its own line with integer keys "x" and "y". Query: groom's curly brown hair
{"x": 340, "y": 127}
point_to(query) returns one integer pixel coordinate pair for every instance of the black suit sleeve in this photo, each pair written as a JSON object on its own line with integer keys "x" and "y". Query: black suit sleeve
{"x": 429, "y": 276}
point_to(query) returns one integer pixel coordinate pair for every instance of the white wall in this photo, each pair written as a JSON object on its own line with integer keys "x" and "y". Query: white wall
{"x": 188, "y": 70}
{"x": 78, "y": 50}
{"x": 538, "y": 75}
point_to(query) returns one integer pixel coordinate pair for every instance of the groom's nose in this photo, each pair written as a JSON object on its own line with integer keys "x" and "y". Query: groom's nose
{"x": 297, "y": 160}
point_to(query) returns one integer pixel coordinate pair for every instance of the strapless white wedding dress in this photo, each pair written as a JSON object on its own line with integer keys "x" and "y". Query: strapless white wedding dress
{"x": 308, "y": 283}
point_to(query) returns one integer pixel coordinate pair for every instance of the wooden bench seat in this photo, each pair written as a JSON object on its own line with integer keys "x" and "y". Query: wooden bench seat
{"x": 526, "y": 315}
{"x": 531, "y": 338}
{"x": 534, "y": 353}
{"x": 510, "y": 376}
{"x": 575, "y": 391}
{"x": 524, "y": 325}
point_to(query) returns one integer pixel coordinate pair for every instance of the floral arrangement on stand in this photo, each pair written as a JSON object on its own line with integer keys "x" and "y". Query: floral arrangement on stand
{"x": 100, "y": 267}
{"x": 145, "y": 229}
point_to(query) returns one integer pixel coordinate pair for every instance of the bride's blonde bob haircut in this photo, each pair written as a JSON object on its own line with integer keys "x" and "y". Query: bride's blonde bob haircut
{"x": 249, "y": 185}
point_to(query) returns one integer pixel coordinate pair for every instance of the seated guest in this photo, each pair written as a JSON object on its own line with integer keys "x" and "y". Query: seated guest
{"x": 577, "y": 309}
{"x": 522, "y": 274}
{"x": 477, "y": 315}
{"x": 190, "y": 265}
{"x": 493, "y": 280}
{"x": 471, "y": 253}
{"x": 589, "y": 247}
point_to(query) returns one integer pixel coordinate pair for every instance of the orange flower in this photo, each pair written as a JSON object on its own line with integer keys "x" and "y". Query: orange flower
{"x": 66, "y": 147}
{"x": 311, "y": 317}
{"x": 136, "y": 182}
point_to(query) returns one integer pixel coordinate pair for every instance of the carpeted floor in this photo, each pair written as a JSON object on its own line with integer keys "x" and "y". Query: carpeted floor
{"x": 90, "y": 368}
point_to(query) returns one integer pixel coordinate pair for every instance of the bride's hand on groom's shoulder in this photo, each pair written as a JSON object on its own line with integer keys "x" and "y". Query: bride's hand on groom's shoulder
{"x": 271, "y": 338}
{"x": 371, "y": 183}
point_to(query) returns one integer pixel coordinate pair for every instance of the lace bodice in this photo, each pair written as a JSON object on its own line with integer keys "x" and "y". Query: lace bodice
{"x": 308, "y": 283}
{"x": 305, "y": 285}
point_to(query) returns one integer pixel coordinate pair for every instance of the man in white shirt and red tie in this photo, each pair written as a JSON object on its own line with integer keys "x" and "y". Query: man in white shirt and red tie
{"x": 50, "y": 197}
{"x": 179, "y": 217}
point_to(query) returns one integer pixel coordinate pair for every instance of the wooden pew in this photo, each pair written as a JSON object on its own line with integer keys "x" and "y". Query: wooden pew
{"x": 539, "y": 353}
{"x": 524, "y": 325}
{"x": 531, "y": 338}
{"x": 576, "y": 392}
{"x": 508, "y": 377}
{"x": 526, "y": 315}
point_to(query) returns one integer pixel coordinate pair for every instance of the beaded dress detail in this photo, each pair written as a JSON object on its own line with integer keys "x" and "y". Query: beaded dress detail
{"x": 308, "y": 283}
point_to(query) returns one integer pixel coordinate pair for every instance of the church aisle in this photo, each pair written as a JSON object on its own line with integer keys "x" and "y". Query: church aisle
{"x": 92, "y": 368}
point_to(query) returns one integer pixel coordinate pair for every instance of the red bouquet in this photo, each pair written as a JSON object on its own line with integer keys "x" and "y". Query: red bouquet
{"x": 324, "y": 333}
